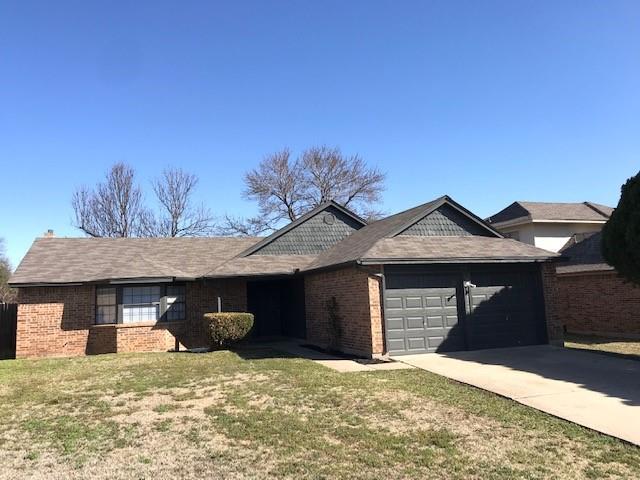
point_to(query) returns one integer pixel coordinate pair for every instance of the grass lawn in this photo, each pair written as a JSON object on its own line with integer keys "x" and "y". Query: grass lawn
{"x": 628, "y": 348}
{"x": 224, "y": 415}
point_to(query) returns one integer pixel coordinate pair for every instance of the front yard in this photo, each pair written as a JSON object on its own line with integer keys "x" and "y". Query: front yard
{"x": 255, "y": 415}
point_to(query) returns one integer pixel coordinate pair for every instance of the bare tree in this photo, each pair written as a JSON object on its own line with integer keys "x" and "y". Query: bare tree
{"x": 329, "y": 175}
{"x": 179, "y": 217}
{"x": 113, "y": 208}
{"x": 286, "y": 188}
{"x": 7, "y": 294}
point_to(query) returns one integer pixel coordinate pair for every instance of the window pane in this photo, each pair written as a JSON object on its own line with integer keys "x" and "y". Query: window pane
{"x": 106, "y": 314}
{"x": 140, "y": 295}
{"x": 106, "y": 296}
{"x": 140, "y": 314}
{"x": 175, "y": 293}
{"x": 175, "y": 311}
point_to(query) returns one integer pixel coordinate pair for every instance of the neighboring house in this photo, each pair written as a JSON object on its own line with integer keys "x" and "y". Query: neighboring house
{"x": 549, "y": 225}
{"x": 432, "y": 278}
{"x": 593, "y": 298}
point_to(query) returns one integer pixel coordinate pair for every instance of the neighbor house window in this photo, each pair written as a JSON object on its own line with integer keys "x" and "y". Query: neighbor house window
{"x": 140, "y": 303}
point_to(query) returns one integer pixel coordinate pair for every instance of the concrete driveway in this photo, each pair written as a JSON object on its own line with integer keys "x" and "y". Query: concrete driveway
{"x": 597, "y": 391}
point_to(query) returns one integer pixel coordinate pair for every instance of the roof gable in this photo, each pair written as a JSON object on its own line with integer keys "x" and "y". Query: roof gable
{"x": 446, "y": 221}
{"x": 314, "y": 232}
{"x": 356, "y": 245}
{"x": 553, "y": 211}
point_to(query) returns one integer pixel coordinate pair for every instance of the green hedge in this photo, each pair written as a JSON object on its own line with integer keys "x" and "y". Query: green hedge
{"x": 225, "y": 328}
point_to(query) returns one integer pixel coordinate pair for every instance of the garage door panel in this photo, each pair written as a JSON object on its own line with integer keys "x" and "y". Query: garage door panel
{"x": 396, "y": 344}
{"x": 416, "y": 343}
{"x": 394, "y": 303}
{"x": 414, "y": 323}
{"x": 395, "y": 324}
{"x": 429, "y": 315}
{"x": 503, "y": 310}
{"x": 435, "y": 321}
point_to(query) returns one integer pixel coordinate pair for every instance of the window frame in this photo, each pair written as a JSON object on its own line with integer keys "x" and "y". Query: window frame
{"x": 163, "y": 306}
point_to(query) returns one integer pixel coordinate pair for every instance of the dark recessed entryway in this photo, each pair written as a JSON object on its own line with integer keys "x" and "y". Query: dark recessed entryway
{"x": 445, "y": 309}
{"x": 278, "y": 307}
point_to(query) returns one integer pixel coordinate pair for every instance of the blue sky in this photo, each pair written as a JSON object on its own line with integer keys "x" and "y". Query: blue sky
{"x": 487, "y": 101}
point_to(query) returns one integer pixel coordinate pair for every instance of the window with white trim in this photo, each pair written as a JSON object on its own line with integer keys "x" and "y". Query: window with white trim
{"x": 140, "y": 304}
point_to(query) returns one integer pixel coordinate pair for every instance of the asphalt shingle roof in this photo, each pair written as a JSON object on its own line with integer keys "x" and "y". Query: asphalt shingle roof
{"x": 585, "y": 211}
{"x": 261, "y": 265}
{"x": 77, "y": 260}
{"x": 584, "y": 256}
{"x": 460, "y": 249}
{"x": 71, "y": 260}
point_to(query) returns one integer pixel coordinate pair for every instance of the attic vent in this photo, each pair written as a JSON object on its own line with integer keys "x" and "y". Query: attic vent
{"x": 329, "y": 218}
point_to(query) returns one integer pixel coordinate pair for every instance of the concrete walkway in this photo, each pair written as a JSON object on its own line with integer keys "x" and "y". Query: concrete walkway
{"x": 597, "y": 391}
{"x": 339, "y": 364}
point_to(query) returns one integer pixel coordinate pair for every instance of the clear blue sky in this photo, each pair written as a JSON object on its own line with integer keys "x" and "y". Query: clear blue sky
{"x": 488, "y": 101}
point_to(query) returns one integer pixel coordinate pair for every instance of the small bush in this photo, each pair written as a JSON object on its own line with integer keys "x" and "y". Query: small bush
{"x": 225, "y": 328}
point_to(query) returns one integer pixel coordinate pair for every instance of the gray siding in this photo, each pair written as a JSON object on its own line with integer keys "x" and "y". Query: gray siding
{"x": 313, "y": 236}
{"x": 446, "y": 221}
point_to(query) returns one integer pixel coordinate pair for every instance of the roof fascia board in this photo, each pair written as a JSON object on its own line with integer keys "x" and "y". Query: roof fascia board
{"x": 312, "y": 213}
{"x": 119, "y": 281}
{"x": 513, "y": 222}
{"x": 542, "y": 220}
{"x": 516, "y": 222}
{"x": 415, "y": 261}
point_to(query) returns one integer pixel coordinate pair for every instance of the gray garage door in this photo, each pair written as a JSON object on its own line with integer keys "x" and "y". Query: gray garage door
{"x": 426, "y": 312}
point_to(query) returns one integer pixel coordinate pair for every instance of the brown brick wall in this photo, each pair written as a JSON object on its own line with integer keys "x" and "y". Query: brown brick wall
{"x": 59, "y": 321}
{"x": 599, "y": 303}
{"x": 54, "y": 321}
{"x": 203, "y": 298}
{"x": 358, "y": 325}
{"x": 552, "y": 304}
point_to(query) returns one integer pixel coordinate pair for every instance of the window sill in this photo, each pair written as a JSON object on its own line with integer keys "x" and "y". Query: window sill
{"x": 139, "y": 324}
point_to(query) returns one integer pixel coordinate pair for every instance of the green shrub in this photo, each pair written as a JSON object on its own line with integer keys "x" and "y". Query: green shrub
{"x": 225, "y": 328}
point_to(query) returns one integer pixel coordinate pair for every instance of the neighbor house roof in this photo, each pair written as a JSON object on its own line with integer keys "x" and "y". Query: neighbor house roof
{"x": 383, "y": 240}
{"x": 76, "y": 260}
{"x": 584, "y": 256}
{"x": 548, "y": 211}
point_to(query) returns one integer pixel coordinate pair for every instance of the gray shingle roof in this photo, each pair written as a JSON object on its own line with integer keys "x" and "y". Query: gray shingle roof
{"x": 585, "y": 211}
{"x": 77, "y": 260}
{"x": 584, "y": 256}
{"x": 454, "y": 249}
{"x": 71, "y": 260}
{"x": 255, "y": 265}
{"x": 386, "y": 236}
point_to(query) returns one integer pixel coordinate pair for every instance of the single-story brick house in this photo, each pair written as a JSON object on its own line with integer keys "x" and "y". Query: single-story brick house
{"x": 593, "y": 299}
{"x": 432, "y": 278}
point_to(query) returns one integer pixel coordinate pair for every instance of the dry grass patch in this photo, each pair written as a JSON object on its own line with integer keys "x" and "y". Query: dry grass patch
{"x": 223, "y": 416}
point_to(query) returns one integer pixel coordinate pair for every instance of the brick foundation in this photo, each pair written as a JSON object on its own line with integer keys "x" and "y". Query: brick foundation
{"x": 59, "y": 321}
{"x": 356, "y": 325}
{"x": 599, "y": 303}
